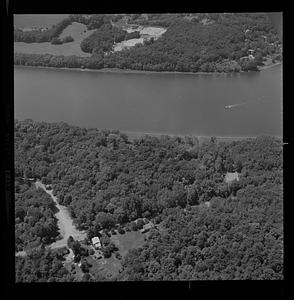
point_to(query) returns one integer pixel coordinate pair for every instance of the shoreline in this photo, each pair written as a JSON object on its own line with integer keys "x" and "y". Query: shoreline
{"x": 134, "y": 134}
{"x": 130, "y": 71}
{"x": 138, "y": 134}
{"x": 270, "y": 66}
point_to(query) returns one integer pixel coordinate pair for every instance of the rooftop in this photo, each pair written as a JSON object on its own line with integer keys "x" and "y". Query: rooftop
{"x": 230, "y": 177}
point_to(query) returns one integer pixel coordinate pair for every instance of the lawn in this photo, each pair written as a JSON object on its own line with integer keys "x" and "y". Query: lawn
{"x": 109, "y": 267}
{"x": 77, "y": 30}
{"x": 127, "y": 241}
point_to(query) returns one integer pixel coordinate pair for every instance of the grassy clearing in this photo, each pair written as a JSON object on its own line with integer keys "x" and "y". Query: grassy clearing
{"x": 155, "y": 32}
{"x": 127, "y": 241}
{"x": 106, "y": 267}
{"x": 110, "y": 267}
{"x": 129, "y": 43}
{"x": 77, "y": 30}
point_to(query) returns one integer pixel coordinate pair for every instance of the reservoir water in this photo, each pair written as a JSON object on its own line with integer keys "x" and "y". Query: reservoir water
{"x": 153, "y": 103}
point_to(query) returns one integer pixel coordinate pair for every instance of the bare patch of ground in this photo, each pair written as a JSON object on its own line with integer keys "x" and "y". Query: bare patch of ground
{"x": 148, "y": 32}
{"x": 127, "y": 44}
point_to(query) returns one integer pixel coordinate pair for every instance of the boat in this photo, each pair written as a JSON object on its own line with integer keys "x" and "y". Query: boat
{"x": 229, "y": 106}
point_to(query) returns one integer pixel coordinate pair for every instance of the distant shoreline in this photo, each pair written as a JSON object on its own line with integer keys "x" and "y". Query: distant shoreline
{"x": 133, "y": 135}
{"x": 130, "y": 71}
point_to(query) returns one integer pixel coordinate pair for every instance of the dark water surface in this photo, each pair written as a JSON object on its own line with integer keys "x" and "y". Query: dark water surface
{"x": 154, "y": 103}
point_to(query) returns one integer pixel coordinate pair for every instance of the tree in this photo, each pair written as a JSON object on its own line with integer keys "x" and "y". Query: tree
{"x": 105, "y": 220}
{"x": 68, "y": 39}
{"x": 70, "y": 242}
{"x": 56, "y": 41}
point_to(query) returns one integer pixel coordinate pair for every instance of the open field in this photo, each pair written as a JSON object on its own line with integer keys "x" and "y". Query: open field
{"x": 155, "y": 32}
{"x": 37, "y": 20}
{"x": 125, "y": 44}
{"x": 77, "y": 30}
{"x": 110, "y": 267}
{"x": 127, "y": 241}
{"x": 152, "y": 32}
{"x": 107, "y": 267}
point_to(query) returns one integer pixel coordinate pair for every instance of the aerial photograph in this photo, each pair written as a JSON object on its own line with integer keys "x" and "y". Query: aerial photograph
{"x": 148, "y": 147}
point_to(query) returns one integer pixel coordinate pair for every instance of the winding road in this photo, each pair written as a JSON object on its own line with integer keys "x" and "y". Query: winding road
{"x": 65, "y": 222}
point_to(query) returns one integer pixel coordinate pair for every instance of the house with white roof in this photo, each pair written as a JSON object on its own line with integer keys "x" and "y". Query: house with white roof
{"x": 96, "y": 242}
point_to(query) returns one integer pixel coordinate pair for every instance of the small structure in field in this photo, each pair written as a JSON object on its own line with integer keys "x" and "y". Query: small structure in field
{"x": 231, "y": 177}
{"x": 207, "y": 204}
{"x": 147, "y": 227}
{"x": 96, "y": 242}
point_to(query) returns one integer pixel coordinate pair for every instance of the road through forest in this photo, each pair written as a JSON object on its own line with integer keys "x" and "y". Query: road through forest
{"x": 65, "y": 222}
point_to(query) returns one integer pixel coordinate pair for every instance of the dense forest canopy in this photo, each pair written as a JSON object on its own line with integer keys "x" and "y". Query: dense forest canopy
{"x": 207, "y": 230}
{"x": 192, "y": 43}
{"x": 35, "y": 223}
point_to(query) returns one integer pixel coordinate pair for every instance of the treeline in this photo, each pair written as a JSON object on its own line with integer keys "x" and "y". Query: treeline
{"x": 42, "y": 266}
{"x": 102, "y": 39}
{"x": 40, "y": 36}
{"x": 47, "y": 60}
{"x": 164, "y": 20}
{"x": 35, "y": 223}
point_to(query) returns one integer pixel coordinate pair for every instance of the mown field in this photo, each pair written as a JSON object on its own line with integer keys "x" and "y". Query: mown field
{"x": 110, "y": 267}
{"x": 127, "y": 241}
{"x": 77, "y": 30}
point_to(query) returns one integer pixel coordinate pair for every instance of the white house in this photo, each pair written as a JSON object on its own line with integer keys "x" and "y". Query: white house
{"x": 96, "y": 242}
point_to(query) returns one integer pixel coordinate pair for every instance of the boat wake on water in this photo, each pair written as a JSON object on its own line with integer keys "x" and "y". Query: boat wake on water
{"x": 261, "y": 99}
{"x": 234, "y": 105}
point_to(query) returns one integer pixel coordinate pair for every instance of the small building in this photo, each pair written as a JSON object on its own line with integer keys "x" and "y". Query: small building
{"x": 96, "y": 242}
{"x": 147, "y": 227}
{"x": 207, "y": 204}
{"x": 231, "y": 177}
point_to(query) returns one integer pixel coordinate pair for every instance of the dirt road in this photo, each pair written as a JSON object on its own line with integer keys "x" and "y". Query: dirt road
{"x": 65, "y": 222}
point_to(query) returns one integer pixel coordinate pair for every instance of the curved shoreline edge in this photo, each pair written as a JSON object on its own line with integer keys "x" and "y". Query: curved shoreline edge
{"x": 130, "y": 71}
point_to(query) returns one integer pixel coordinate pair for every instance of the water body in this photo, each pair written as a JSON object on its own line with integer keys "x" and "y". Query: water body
{"x": 153, "y": 103}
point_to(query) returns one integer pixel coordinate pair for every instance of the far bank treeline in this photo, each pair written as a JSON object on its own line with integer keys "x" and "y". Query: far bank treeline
{"x": 105, "y": 179}
{"x": 221, "y": 45}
